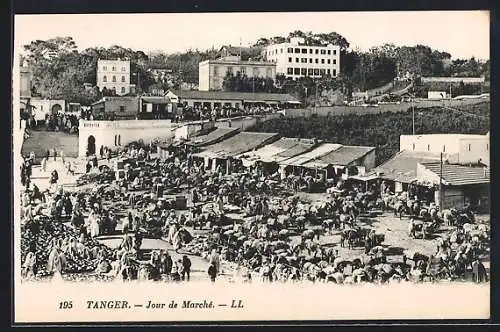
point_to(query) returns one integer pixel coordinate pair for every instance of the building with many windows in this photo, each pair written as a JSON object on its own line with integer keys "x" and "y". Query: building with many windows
{"x": 114, "y": 75}
{"x": 294, "y": 59}
{"x": 212, "y": 72}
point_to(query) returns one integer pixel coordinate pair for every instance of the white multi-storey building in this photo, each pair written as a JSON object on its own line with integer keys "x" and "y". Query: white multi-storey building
{"x": 212, "y": 72}
{"x": 295, "y": 60}
{"x": 114, "y": 74}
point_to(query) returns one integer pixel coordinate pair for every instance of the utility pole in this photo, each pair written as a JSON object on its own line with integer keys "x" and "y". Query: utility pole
{"x": 315, "y": 95}
{"x": 441, "y": 194}
{"x": 413, "y": 115}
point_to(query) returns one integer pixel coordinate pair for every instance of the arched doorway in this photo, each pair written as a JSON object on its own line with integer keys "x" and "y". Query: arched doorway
{"x": 91, "y": 145}
{"x": 56, "y": 108}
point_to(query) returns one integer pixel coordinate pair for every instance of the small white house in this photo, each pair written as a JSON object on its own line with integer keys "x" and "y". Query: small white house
{"x": 436, "y": 95}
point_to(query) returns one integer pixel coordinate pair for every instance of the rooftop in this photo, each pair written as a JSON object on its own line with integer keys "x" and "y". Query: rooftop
{"x": 238, "y": 144}
{"x": 458, "y": 175}
{"x": 222, "y": 95}
{"x": 402, "y": 167}
{"x": 312, "y": 155}
{"x": 282, "y": 149}
{"x": 458, "y": 136}
{"x": 213, "y": 136}
{"x": 344, "y": 155}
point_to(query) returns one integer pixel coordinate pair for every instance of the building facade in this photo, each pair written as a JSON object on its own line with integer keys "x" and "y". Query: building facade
{"x": 456, "y": 148}
{"x": 41, "y": 108}
{"x": 212, "y": 72}
{"x": 114, "y": 75}
{"x": 295, "y": 60}
{"x": 239, "y": 100}
{"x": 116, "y": 108}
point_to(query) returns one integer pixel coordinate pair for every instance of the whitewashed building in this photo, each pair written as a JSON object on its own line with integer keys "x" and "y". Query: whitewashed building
{"x": 114, "y": 75}
{"x": 456, "y": 148}
{"x": 294, "y": 59}
{"x": 212, "y": 72}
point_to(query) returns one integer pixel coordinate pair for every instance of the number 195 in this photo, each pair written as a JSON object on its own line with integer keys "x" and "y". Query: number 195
{"x": 66, "y": 305}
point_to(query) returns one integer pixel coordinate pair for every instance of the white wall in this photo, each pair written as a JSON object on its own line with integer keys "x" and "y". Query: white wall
{"x": 455, "y": 147}
{"x": 104, "y": 132}
{"x": 44, "y": 107}
{"x": 204, "y": 75}
{"x": 473, "y": 149}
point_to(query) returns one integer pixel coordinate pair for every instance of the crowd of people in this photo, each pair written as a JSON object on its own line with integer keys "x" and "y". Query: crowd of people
{"x": 206, "y": 112}
{"x": 248, "y": 222}
{"x": 65, "y": 122}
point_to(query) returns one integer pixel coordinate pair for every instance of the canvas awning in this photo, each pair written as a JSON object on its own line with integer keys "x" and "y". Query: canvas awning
{"x": 292, "y": 102}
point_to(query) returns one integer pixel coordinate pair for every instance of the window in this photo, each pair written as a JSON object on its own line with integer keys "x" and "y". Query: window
{"x": 304, "y": 51}
{"x": 113, "y": 68}
{"x": 310, "y": 60}
{"x": 303, "y": 71}
{"x": 296, "y": 71}
{"x": 230, "y": 70}
{"x": 122, "y": 108}
{"x": 243, "y": 70}
{"x": 444, "y": 148}
{"x": 119, "y": 139}
{"x": 269, "y": 72}
{"x": 289, "y": 59}
{"x": 323, "y": 61}
{"x": 323, "y": 52}
{"x": 290, "y": 50}
{"x": 297, "y": 50}
{"x": 328, "y": 71}
{"x": 104, "y": 79}
{"x": 334, "y": 52}
{"x": 123, "y": 79}
{"x": 316, "y": 71}
{"x": 329, "y": 52}
{"x": 281, "y": 50}
{"x": 310, "y": 71}
{"x": 114, "y": 79}
{"x": 303, "y": 60}
{"x": 335, "y": 72}
{"x": 310, "y": 51}
{"x": 296, "y": 59}
{"x": 487, "y": 147}
{"x": 334, "y": 61}
{"x": 469, "y": 147}
{"x": 413, "y": 146}
{"x": 289, "y": 71}
{"x": 328, "y": 61}
{"x": 116, "y": 140}
{"x": 256, "y": 72}
{"x": 216, "y": 70}
{"x": 316, "y": 52}
{"x": 316, "y": 60}
{"x": 104, "y": 68}
{"x": 123, "y": 89}
{"x": 428, "y": 147}
{"x": 123, "y": 68}
{"x": 322, "y": 72}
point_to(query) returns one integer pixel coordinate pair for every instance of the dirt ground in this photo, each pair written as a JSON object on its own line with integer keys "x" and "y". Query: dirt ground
{"x": 397, "y": 240}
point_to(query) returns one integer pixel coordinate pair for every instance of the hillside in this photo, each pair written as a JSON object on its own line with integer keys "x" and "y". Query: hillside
{"x": 380, "y": 129}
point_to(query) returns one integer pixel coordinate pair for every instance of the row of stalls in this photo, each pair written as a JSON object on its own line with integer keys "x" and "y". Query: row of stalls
{"x": 225, "y": 149}
{"x": 424, "y": 175}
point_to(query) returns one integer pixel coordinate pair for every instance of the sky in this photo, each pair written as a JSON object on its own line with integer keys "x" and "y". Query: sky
{"x": 463, "y": 34}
